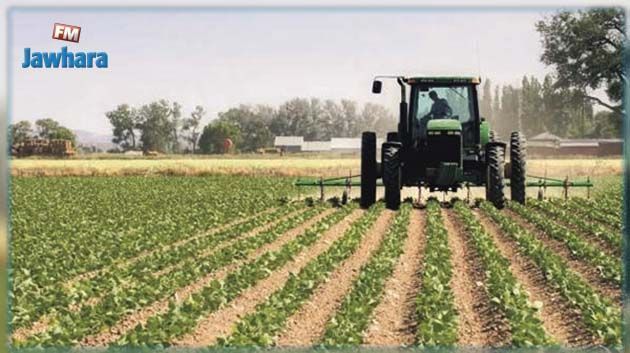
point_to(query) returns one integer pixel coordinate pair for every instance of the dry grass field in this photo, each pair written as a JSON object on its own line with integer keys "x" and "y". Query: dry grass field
{"x": 292, "y": 166}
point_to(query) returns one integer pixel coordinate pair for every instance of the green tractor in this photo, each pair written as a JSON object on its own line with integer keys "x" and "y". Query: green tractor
{"x": 442, "y": 144}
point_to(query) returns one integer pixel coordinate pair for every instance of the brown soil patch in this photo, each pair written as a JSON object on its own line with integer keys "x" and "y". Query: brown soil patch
{"x": 560, "y": 321}
{"x": 305, "y": 327}
{"x": 141, "y": 316}
{"x": 480, "y": 322}
{"x": 21, "y": 334}
{"x": 394, "y": 322}
{"x": 586, "y": 271}
{"x": 221, "y": 322}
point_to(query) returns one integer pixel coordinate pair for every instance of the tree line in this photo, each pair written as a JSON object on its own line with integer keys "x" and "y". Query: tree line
{"x": 535, "y": 107}
{"x": 159, "y": 126}
{"x": 48, "y": 129}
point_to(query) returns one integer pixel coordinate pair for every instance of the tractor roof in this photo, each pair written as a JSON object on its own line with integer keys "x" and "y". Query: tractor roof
{"x": 444, "y": 80}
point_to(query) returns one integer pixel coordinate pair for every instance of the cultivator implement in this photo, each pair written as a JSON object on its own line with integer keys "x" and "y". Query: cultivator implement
{"x": 540, "y": 182}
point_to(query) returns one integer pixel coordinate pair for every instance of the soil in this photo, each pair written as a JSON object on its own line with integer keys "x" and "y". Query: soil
{"x": 394, "y": 322}
{"x": 307, "y": 326}
{"x": 559, "y": 320}
{"x": 587, "y": 272}
{"x": 221, "y": 322}
{"x": 480, "y": 323}
{"x": 161, "y": 306}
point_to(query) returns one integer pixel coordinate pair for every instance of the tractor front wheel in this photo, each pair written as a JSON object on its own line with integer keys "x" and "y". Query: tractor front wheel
{"x": 368, "y": 169}
{"x": 391, "y": 174}
{"x": 494, "y": 177}
{"x": 518, "y": 174}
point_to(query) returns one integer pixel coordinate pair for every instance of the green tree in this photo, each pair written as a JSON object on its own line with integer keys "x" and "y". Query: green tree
{"x": 191, "y": 127}
{"x": 253, "y": 127}
{"x": 45, "y": 127}
{"x": 531, "y": 106}
{"x": 214, "y": 134}
{"x": 485, "y": 101}
{"x": 51, "y": 129}
{"x": 124, "y": 121}
{"x": 352, "y": 126}
{"x": 496, "y": 104}
{"x": 63, "y": 133}
{"x": 510, "y": 112}
{"x": 377, "y": 118}
{"x": 20, "y": 131}
{"x": 585, "y": 48}
{"x": 157, "y": 124}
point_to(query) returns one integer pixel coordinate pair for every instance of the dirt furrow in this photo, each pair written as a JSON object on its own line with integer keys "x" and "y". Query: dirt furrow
{"x": 586, "y": 271}
{"x": 394, "y": 322}
{"x": 558, "y": 318}
{"x": 126, "y": 262}
{"x": 141, "y": 316}
{"x": 221, "y": 322}
{"x": 480, "y": 323}
{"x": 305, "y": 327}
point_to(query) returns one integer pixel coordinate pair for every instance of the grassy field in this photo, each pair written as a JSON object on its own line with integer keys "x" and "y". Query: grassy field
{"x": 292, "y": 166}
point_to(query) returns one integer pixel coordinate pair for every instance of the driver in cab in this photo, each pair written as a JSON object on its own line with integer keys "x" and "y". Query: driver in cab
{"x": 440, "y": 108}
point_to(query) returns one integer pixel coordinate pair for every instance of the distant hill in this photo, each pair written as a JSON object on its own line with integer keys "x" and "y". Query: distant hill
{"x": 88, "y": 138}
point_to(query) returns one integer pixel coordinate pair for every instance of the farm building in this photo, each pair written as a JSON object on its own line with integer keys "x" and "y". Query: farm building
{"x": 578, "y": 147}
{"x": 316, "y": 146}
{"x": 610, "y": 147}
{"x": 289, "y": 143}
{"x": 345, "y": 144}
{"x": 547, "y": 144}
{"x": 543, "y": 144}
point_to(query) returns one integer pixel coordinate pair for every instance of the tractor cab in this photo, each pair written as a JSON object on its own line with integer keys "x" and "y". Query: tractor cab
{"x": 434, "y": 102}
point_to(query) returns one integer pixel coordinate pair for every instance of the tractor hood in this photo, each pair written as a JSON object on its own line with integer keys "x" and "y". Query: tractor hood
{"x": 444, "y": 125}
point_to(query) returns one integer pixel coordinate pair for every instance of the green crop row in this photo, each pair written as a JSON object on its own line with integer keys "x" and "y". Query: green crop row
{"x": 182, "y": 318}
{"x": 609, "y": 267}
{"x": 71, "y": 326}
{"x": 600, "y": 316}
{"x": 259, "y": 327}
{"x": 503, "y": 289}
{"x": 435, "y": 307}
{"x": 350, "y": 321}
{"x": 56, "y": 297}
{"x": 588, "y": 209}
{"x": 557, "y": 209}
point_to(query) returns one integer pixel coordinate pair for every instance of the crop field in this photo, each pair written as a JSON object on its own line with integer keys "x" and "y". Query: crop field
{"x": 233, "y": 261}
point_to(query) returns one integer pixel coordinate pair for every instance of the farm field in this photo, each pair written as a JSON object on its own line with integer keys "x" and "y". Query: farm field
{"x": 241, "y": 261}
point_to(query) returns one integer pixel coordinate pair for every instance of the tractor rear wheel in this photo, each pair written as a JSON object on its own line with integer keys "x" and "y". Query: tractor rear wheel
{"x": 368, "y": 169}
{"x": 518, "y": 175}
{"x": 391, "y": 174}
{"x": 495, "y": 177}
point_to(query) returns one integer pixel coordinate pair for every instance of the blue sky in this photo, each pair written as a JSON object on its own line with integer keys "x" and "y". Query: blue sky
{"x": 220, "y": 58}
